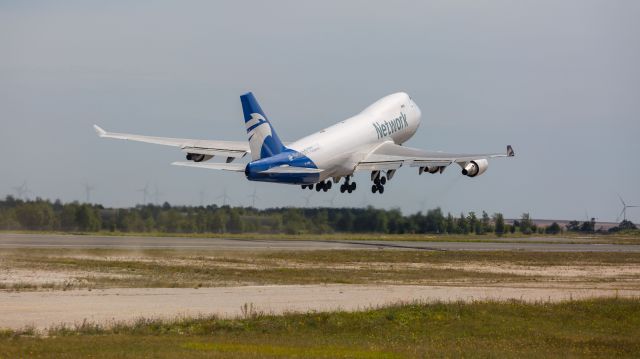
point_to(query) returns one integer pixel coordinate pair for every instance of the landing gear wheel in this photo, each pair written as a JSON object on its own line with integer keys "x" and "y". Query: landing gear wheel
{"x": 350, "y": 190}
{"x": 327, "y": 185}
{"x": 304, "y": 186}
{"x": 318, "y": 187}
{"x": 325, "y": 188}
{"x": 381, "y": 189}
{"x": 343, "y": 188}
{"x": 352, "y": 187}
{"x": 311, "y": 187}
{"x": 376, "y": 181}
{"x": 383, "y": 180}
{"x": 374, "y": 188}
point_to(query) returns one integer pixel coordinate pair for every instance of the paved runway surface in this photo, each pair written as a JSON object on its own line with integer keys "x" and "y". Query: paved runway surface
{"x": 11, "y": 240}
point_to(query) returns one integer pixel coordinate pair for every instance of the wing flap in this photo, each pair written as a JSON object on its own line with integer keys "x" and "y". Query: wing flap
{"x": 379, "y": 165}
{"x": 214, "y": 152}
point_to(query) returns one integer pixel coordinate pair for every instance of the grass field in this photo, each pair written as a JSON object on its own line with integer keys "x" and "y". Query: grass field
{"x": 603, "y": 328}
{"x": 37, "y": 269}
{"x": 631, "y": 237}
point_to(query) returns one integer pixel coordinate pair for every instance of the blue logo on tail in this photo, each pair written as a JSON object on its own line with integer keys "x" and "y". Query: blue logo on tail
{"x": 263, "y": 140}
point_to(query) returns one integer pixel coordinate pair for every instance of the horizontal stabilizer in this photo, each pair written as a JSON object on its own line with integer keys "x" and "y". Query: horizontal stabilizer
{"x": 290, "y": 169}
{"x": 234, "y": 167}
{"x": 202, "y": 147}
{"x": 99, "y": 130}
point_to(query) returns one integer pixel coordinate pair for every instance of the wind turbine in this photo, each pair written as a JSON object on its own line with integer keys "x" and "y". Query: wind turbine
{"x": 87, "y": 192}
{"x": 624, "y": 209}
{"x": 22, "y": 190}
{"x": 202, "y": 194}
{"x": 156, "y": 194}
{"x": 224, "y": 197}
{"x": 145, "y": 192}
{"x": 253, "y": 198}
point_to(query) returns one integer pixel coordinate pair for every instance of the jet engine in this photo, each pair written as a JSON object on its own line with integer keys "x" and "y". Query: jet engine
{"x": 475, "y": 168}
{"x": 196, "y": 157}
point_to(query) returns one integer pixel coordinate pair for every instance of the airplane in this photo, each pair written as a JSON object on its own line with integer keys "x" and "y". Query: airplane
{"x": 370, "y": 141}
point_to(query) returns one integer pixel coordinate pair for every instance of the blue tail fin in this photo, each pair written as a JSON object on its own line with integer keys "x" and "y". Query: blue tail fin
{"x": 263, "y": 140}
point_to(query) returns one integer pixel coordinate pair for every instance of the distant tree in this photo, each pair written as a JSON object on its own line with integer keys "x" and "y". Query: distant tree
{"x": 588, "y": 226}
{"x": 478, "y": 228}
{"x": 68, "y": 220}
{"x": 37, "y": 215}
{"x": 553, "y": 228}
{"x": 434, "y": 221}
{"x": 624, "y": 225}
{"x": 345, "y": 222}
{"x": 486, "y": 222}
{"x": 87, "y": 218}
{"x": 498, "y": 219}
{"x": 218, "y": 222}
{"x": 235, "y": 223}
{"x": 627, "y": 224}
{"x": 463, "y": 224}
{"x": 472, "y": 220}
{"x": 573, "y": 226}
{"x": 450, "y": 224}
{"x": 526, "y": 226}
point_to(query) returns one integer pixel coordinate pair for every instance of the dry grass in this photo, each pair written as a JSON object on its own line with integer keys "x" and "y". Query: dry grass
{"x": 109, "y": 268}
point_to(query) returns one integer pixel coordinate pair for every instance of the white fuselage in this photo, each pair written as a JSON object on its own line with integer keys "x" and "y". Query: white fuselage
{"x": 338, "y": 148}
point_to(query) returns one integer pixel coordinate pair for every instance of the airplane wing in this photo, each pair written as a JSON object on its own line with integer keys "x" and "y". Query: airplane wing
{"x": 390, "y": 156}
{"x": 203, "y": 147}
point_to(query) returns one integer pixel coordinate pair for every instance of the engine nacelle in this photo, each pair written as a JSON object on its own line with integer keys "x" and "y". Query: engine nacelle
{"x": 197, "y": 157}
{"x": 475, "y": 168}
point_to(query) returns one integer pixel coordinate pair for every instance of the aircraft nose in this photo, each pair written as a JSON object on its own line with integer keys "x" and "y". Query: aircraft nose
{"x": 417, "y": 110}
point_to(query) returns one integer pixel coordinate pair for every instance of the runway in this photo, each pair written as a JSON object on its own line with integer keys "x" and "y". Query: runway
{"x": 535, "y": 244}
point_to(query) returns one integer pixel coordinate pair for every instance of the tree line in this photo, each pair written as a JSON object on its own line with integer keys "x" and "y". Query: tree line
{"x": 39, "y": 214}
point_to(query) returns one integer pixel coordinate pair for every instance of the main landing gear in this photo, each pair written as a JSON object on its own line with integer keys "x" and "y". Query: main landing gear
{"x": 347, "y": 186}
{"x": 379, "y": 181}
{"x": 320, "y": 186}
{"x": 324, "y": 186}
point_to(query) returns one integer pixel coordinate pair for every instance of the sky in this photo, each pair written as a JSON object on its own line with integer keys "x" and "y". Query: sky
{"x": 559, "y": 80}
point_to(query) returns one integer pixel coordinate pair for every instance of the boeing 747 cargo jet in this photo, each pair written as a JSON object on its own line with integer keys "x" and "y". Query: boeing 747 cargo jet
{"x": 369, "y": 141}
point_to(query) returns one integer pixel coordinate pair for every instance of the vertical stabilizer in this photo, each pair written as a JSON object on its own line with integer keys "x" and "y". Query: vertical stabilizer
{"x": 263, "y": 140}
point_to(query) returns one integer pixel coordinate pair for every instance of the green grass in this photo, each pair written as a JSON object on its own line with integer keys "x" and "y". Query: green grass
{"x": 599, "y": 328}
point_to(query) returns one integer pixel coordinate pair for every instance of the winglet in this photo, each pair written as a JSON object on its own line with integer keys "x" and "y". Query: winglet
{"x": 99, "y": 130}
{"x": 510, "y": 152}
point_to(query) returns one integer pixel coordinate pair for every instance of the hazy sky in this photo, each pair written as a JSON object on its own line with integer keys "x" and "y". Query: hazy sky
{"x": 559, "y": 80}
